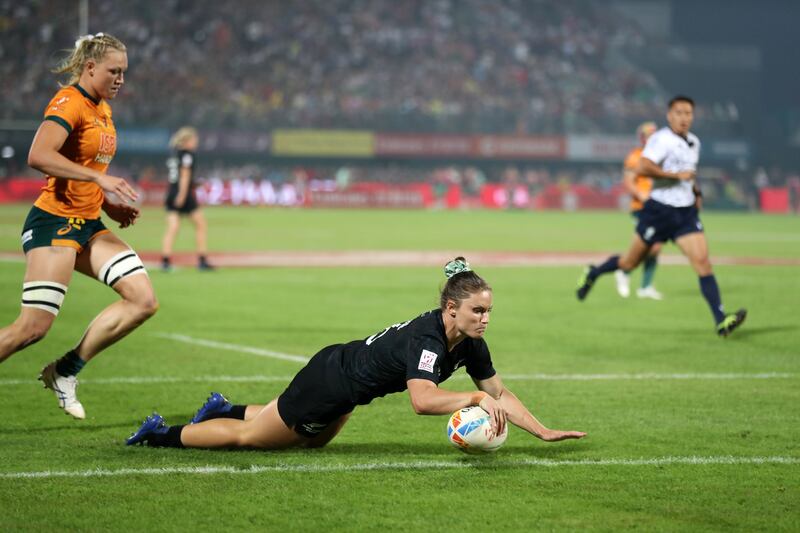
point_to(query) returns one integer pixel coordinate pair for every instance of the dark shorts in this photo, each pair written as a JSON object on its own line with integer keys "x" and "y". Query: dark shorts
{"x": 661, "y": 223}
{"x": 46, "y": 229}
{"x": 317, "y": 396}
{"x": 189, "y": 206}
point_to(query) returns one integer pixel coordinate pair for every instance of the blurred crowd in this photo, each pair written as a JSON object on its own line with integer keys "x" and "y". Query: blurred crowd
{"x": 466, "y": 66}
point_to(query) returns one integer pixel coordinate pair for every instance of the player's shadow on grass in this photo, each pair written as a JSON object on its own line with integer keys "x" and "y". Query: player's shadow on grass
{"x": 754, "y": 331}
{"x": 396, "y": 449}
{"x": 745, "y": 331}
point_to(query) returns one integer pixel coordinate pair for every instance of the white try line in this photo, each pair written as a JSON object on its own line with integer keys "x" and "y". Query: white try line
{"x": 260, "y": 378}
{"x": 489, "y": 462}
{"x": 260, "y": 352}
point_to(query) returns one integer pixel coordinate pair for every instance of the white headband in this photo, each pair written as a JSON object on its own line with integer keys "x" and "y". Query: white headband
{"x": 88, "y": 37}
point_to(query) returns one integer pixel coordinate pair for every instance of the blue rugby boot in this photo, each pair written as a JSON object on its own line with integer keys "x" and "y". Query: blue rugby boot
{"x": 152, "y": 425}
{"x": 216, "y": 405}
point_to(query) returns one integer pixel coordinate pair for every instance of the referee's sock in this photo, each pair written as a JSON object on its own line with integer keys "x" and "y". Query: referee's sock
{"x": 710, "y": 290}
{"x": 611, "y": 264}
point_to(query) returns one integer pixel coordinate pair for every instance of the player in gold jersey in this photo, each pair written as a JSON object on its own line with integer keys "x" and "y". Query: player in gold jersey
{"x": 639, "y": 187}
{"x": 64, "y": 233}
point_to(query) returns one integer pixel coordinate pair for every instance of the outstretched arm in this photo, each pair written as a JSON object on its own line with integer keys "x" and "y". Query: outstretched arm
{"x": 428, "y": 399}
{"x": 519, "y": 415}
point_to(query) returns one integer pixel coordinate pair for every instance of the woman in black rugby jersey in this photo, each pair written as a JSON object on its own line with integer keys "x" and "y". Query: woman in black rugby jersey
{"x": 416, "y": 355}
{"x": 182, "y": 199}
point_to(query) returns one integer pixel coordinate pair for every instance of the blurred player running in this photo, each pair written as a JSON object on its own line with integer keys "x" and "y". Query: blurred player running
{"x": 639, "y": 187}
{"x": 671, "y": 213}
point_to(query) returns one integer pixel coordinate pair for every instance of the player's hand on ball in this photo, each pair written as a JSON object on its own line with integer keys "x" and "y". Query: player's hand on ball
{"x": 497, "y": 413}
{"x": 125, "y": 214}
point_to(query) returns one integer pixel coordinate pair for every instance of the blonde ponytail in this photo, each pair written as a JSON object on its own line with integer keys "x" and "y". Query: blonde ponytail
{"x": 87, "y": 47}
{"x": 181, "y": 136}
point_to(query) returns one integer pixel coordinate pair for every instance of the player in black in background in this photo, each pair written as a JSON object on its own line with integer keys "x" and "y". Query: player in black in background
{"x": 181, "y": 199}
{"x": 417, "y": 355}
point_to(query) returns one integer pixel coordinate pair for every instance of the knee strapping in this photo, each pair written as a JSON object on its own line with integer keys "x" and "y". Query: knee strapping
{"x": 45, "y": 295}
{"x": 123, "y": 264}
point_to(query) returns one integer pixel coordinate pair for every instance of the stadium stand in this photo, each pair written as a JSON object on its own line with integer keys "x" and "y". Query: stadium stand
{"x": 473, "y": 66}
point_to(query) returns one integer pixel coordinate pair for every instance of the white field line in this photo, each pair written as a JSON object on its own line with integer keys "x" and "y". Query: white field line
{"x": 646, "y": 376}
{"x": 406, "y": 465}
{"x": 260, "y": 378}
{"x": 260, "y": 352}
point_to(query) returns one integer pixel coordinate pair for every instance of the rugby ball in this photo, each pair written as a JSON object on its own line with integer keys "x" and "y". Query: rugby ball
{"x": 470, "y": 430}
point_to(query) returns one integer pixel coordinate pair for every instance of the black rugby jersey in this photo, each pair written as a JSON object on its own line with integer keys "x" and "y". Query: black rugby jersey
{"x": 180, "y": 159}
{"x": 382, "y": 363}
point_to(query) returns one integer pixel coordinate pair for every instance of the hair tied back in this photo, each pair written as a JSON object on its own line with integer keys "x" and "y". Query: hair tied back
{"x": 87, "y": 37}
{"x": 456, "y": 266}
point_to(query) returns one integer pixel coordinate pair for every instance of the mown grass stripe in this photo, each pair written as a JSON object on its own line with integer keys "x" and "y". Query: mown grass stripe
{"x": 477, "y": 462}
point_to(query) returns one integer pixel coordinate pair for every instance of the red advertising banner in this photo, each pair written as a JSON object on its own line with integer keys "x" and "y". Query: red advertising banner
{"x": 248, "y": 192}
{"x": 775, "y": 200}
{"x": 324, "y": 193}
{"x": 20, "y": 189}
{"x": 518, "y": 147}
{"x": 28, "y": 189}
{"x": 470, "y": 146}
{"x": 497, "y": 196}
{"x": 369, "y": 195}
{"x": 599, "y": 147}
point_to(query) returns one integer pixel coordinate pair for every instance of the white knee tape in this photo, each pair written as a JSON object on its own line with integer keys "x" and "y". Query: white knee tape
{"x": 123, "y": 264}
{"x": 45, "y": 295}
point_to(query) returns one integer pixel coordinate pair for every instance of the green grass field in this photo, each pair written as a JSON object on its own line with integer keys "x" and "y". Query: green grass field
{"x": 686, "y": 431}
